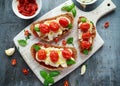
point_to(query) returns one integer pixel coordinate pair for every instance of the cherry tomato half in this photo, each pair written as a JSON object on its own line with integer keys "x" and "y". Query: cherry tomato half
{"x": 42, "y": 54}
{"x": 66, "y": 54}
{"x": 44, "y": 28}
{"x": 63, "y": 22}
{"x": 86, "y": 36}
{"x": 54, "y": 56}
{"x": 85, "y": 44}
{"x": 54, "y": 26}
{"x": 84, "y": 27}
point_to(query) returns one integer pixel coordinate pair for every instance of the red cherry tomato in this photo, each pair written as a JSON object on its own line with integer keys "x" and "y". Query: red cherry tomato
{"x": 25, "y": 71}
{"x": 86, "y": 36}
{"x": 54, "y": 56}
{"x": 42, "y": 54}
{"x": 63, "y": 42}
{"x": 63, "y": 22}
{"x": 84, "y": 27}
{"x": 66, "y": 54}
{"x": 13, "y": 62}
{"x": 85, "y": 44}
{"x": 54, "y": 26}
{"x": 44, "y": 28}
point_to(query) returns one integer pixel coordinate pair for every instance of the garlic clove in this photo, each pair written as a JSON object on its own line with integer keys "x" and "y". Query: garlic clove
{"x": 83, "y": 69}
{"x": 10, "y": 51}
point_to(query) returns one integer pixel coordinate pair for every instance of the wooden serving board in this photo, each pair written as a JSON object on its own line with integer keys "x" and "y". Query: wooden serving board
{"x": 93, "y": 16}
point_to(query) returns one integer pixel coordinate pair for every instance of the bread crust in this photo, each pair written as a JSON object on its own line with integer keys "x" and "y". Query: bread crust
{"x": 68, "y": 15}
{"x": 33, "y": 52}
{"x": 93, "y": 35}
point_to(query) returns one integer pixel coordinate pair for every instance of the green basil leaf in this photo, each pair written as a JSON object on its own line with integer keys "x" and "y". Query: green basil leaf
{"x": 54, "y": 73}
{"x": 37, "y": 29}
{"x": 85, "y": 52}
{"x": 49, "y": 79}
{"x": 22, "y": 42}
{"x": 70, "y": 62}
{"x": 70, "y": 40}
{"x": 68, "y": 8}
{"x": 92, "y": 23}
{"x": 46, "y": 83}
{"x": 44, "y": 74}
{"x": 36, "y": 47}
{"x": 69, "y": 26}
{"x": 74, "y": 12}
{"x": 83, "y": 19}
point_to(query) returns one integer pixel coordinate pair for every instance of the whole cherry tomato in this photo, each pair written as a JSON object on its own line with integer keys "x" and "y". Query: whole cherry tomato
{"x": 41, "y": 54}
{"x": 54, "y": 26}
{"x": 44, "y": 28}
{"x": 85, "y": 44}
{"x": 54, "y": 56}
{"x": 63, "y": 22}
{"x": 84, "y": 27}
{"x": 86, "y": 36}
{"x": 66, "y": 54}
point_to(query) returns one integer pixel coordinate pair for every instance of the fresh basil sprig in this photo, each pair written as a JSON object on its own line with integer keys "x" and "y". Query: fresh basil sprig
{"x": 36, "y": 47}
{"x": 48, "y": 77}
{"x": 70, "y": 62}
{"x": 22, "y": 42}
{"x": 70, "y": 40}
{"x": 68, "y": 8}
{"x": 74, "y": 12}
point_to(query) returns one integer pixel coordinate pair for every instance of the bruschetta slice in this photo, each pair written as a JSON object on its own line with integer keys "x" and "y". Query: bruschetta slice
{"x": 86, "y": 34}
{"x": 51, "y": 28}
{"x": 53, "y": 57}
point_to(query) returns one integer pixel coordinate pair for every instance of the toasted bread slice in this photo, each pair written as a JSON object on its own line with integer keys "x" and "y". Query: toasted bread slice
{"x": 91, "y": 30}
{"x": 47, "y": 66}
{"x": 64, "y": 32}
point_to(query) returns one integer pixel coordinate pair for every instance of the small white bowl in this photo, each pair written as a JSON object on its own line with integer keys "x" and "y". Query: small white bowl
{"x": 88, "y": 3}
{"x": 15, "y": 9}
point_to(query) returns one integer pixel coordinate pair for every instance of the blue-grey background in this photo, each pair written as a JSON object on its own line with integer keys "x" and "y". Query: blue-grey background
{"x": 103, "y": 69}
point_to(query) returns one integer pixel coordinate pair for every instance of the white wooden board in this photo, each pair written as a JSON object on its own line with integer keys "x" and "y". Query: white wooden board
{"x": 93, "y": 15}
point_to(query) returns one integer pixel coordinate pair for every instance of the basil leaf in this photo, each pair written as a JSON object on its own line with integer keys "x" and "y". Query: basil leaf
{"x": 54, "y": 73}
{"x": 22, "y": 42}
{"x": 69, "y": 26}
{"x": 37, "y": 29}
{"x": 68, "y": 8}
{"x": 74, "y": 12}
{"x": 46, "y": 83}
{"x": 85, "y": 52}
{"x": 92, "y": 23}
{"x": 83, "y": 19}
{"x": 70, "y": 62}
{"x": 49, "y": 79}
{"x": 70, "y": 40}
{"x": 36, "y": 47}
{"x": 44, "y": 74}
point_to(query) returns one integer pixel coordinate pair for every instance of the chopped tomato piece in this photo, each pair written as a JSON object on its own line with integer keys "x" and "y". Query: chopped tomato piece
{"x": 85, "y": 45}
{"x": 25, "y": 71}
{"x": 64, "y": 42}
{"x": 44, "y": 28}
{"x": 66, "y": 83}
{"x": 26, "y": 33}
{"x": 86, "y": 36}
{"x": 106, "y": 25}
{"x": 67, "y": 54}
{"x": 63, "y": 22}
{"x": 42, "y": 54}
{"x": 84, "y": 27}
{"x": 56, "y": 39}
{"x": 54, "y": 26}
{"x": 13, "y": 62}
{"x": 54, "y": 56}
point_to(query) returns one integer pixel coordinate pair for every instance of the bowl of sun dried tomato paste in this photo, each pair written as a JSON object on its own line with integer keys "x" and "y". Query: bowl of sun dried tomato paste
{"x": 26, "y": 9}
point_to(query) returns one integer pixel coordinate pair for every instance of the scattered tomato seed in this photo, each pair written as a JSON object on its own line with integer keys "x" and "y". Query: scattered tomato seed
{"x": 25, "y": 71}
{"x": 13, "y": 62}
{"x": 106, "y": 25}
{"x": 66, "y": 83}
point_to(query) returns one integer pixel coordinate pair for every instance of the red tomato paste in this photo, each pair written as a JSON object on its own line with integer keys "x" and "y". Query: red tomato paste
{"x": 27, "y": 7}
